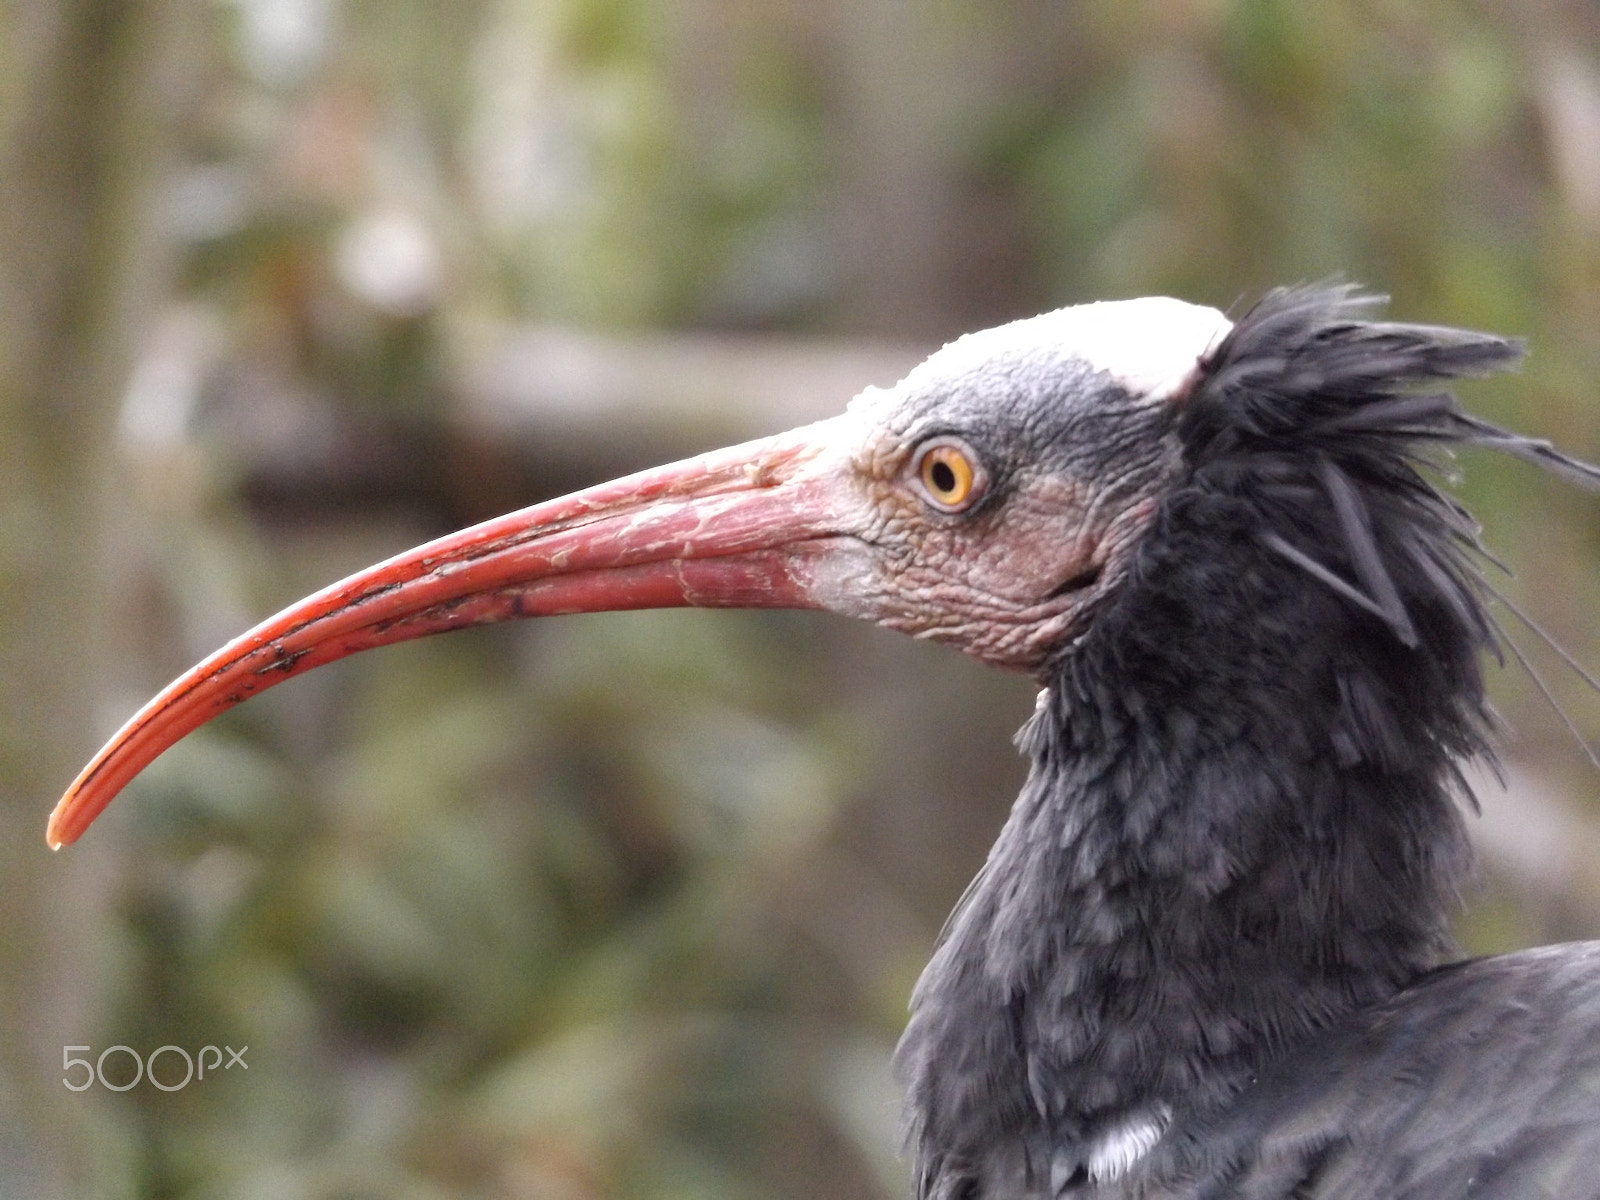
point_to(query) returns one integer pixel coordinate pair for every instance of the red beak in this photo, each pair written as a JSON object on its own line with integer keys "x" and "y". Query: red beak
{"x": 743, "y": 527}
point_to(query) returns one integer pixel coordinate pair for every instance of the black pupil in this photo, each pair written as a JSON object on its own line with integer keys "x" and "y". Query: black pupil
{"x": 942, "y": 477}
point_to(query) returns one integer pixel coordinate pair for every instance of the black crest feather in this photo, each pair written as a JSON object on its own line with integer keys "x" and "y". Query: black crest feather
{"x": 1305, "y": 376}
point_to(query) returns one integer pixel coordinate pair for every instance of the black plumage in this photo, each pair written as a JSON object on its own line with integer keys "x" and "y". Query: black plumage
{"x": 1212, "y": 920}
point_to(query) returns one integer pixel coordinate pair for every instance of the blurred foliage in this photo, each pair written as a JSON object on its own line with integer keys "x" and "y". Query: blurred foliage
{"x": 627, "y": 906}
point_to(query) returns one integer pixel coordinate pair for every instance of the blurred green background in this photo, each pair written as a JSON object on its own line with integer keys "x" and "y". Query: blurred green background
{"x": 630, "y": 906}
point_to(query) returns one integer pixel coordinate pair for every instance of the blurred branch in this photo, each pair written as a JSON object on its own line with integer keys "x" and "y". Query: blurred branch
{"x": 543, "y": 382}
{"x": 543, "y": 410}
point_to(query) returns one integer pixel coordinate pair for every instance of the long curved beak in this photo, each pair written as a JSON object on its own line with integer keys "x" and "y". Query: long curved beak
{"x": 743, "y": 527}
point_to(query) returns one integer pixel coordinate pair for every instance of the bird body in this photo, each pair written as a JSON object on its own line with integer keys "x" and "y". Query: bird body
{"x": 1204, "y": 957}
{"x": 1479, "y": 1079}
{"x": 1239, "y": 829}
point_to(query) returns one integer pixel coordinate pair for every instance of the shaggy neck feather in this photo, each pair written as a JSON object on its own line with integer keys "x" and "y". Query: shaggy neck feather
{"x": 1238, "y": 826}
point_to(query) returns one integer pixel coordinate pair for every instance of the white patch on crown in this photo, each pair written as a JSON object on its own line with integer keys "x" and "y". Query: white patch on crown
{"x": 1115, "y": 1153}
{"x": 1150, "y": 346}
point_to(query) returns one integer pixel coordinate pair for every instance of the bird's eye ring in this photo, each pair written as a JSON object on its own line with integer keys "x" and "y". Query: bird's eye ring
{"x": 950, "y": 475}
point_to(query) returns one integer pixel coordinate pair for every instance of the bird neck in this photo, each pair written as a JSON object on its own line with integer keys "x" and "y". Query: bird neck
{"x": 1239, "y": 825}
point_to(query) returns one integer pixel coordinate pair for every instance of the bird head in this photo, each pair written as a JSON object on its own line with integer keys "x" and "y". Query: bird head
{"x": 993, "y": 500}
{"x": 991, "y": 495}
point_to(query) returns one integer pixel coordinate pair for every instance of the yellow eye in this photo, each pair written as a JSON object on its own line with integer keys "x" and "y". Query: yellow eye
{"x": 950, "y": 476}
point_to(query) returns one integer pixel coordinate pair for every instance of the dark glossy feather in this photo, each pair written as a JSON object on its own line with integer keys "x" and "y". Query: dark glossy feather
{"x": 1480, "y": 1079}
{"x": 1202, "y": 958}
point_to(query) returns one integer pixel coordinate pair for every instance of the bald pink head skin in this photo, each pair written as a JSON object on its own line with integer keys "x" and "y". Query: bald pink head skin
{"x": 841, "y": 515}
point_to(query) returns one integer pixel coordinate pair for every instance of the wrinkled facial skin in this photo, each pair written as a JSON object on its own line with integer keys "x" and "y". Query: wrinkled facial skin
{"x": 1015, "y": 576}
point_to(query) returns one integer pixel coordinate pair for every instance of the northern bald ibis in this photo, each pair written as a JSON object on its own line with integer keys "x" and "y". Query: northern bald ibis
{"x": 1209, "y": 953}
